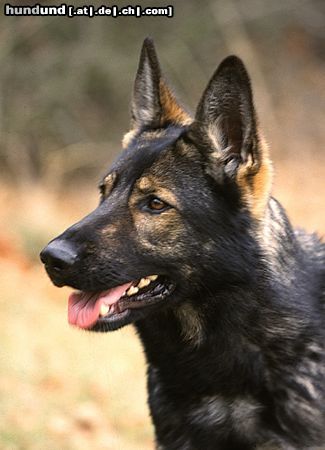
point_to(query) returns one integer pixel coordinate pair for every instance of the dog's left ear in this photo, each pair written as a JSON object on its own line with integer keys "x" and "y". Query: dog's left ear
{"x": 225, "y": 121}
{"x": 153, "y": 103}
{"x": 225, "y": 128}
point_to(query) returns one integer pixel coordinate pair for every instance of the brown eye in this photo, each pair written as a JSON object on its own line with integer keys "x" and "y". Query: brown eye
{"x": 157, "y": 205}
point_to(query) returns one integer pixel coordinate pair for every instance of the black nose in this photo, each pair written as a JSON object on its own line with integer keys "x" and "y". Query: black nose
{"x": 58, "y": 255}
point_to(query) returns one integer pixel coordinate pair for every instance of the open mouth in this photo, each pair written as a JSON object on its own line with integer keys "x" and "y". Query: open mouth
{"x": 88, "y": 309}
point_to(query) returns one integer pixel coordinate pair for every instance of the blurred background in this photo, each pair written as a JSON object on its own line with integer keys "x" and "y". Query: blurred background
{"x": 65, "y": 87}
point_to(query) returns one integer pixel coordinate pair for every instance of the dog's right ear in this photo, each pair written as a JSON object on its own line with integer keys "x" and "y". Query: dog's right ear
{"x": 145, "y": 106}
{"x": 153, "y": 104}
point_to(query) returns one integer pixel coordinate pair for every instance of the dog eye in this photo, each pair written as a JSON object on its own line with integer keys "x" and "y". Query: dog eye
{"x": 156, "y": 205}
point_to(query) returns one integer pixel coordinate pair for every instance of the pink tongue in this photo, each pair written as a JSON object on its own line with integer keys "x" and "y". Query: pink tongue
{"x": 84, "y": 307}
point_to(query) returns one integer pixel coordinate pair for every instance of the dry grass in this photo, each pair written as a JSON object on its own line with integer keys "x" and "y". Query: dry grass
{"x": 299, "y": 186}
{"x": 66, "y": 389}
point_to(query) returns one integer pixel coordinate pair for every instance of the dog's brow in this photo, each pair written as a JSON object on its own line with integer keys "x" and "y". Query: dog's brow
{"x": 145, "y": 185}
{"x": 107, "y": 183}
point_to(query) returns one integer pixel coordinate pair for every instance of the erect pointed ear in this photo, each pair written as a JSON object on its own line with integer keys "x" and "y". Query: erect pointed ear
{"x": 145, "y": 106}
{"x": 225, "y": 128}
{"x": 153, "y": 104}
{"x": 225, "y": 120}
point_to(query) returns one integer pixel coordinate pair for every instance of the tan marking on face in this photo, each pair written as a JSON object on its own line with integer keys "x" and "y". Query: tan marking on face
{"x": 167, "y": 196}
{"x": 156, "y": 230}
{"x": 109, "y": 231}
{"x": 145, "y": 184}
{"x": 151, "y": 185}
{"x": 171, "y": 110}
{"x": 191, "y": 323}
{"x": 108, "y": 183}
{"x": 159, "y": 231}
{"x": 256, "y": 191}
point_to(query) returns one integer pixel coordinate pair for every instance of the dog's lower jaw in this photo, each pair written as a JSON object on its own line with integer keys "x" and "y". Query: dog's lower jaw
{"x": 110, "y": 309}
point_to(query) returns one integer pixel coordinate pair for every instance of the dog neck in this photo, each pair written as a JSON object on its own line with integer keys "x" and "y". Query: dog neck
{"x": 229, "y": 338}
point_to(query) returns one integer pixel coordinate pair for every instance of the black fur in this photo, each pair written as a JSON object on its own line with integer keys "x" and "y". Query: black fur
{"x": 235, "y": 353}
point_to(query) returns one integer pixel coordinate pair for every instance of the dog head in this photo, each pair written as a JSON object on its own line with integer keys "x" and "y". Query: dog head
{"x": 177, "y": 207}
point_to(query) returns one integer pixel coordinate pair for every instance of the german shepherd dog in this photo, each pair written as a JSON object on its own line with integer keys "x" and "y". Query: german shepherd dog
{"x": 188, "y": 245}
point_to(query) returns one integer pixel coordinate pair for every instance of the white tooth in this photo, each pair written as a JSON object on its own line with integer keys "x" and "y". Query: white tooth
{"x": 152, "y": 277}
{"x": 132, "y": 290}
{"x": 104, "y": 309}
{"x": 143, "y": 282}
